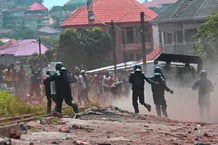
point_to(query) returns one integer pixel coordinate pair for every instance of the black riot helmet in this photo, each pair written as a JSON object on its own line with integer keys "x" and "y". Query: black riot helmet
{"x": 59, "y": 65}
{"x": 157, "y": 69}
{"x": 203, "y": 74}
{"x": 137, "y": 67}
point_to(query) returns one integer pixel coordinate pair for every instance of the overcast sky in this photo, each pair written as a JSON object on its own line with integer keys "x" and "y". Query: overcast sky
{"x": 50, "y": 3}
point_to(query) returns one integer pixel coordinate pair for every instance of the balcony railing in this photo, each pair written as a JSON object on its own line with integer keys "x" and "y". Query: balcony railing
{"x": 137, "y": 46}
{"x": 178, "y": 48}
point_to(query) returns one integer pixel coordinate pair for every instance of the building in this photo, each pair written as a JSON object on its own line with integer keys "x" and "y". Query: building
{"x": 40, "y": 12}
{"x": 48, "y": 32}
{"x": 125, "y": 15}
{"x": 3, "y": 6}
{"x": 159, "y": 6}
{"x": 35, "y": 17}
{"x": 20, "y": 51}
{"x": 180, "y": 22}
{"x": 7, "y": 43}
{"x": 75, "y": 3}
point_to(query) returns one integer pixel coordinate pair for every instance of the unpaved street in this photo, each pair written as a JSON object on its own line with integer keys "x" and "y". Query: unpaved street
{"x": 113, "y": 126}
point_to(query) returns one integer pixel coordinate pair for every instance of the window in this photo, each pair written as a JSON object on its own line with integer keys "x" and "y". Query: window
{"x": 189, "y": 34}
{"x": 129, "y": 57}
{"x": 179, "y": 36}
{"x": 129, "y": 35}
{"x": 168, "y": 38}
{"x": 160, "y": 37}
{"x": 147, "y": 35}
{"x": 138, "y": 56}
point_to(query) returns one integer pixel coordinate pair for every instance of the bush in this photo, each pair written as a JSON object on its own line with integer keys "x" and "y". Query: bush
{"x": 10, "y": 106}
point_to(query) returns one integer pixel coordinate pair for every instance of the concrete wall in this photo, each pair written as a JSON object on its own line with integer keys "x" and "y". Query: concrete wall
{"x": 156, "y": 40}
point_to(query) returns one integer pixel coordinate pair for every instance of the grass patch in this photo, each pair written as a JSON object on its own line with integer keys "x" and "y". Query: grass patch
{"x": 11, "y": 106}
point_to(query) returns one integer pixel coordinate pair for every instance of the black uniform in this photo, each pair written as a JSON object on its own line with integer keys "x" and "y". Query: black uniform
{"x": 63, "y": 90}
{"x": 50, "y": 97}
{"x": 158, "y": 87}
{"x": 137, "y": 78}
{"x": 204, "y": 86}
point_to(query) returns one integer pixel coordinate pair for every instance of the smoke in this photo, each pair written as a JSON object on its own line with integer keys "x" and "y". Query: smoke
{"x": 182, "y": 105}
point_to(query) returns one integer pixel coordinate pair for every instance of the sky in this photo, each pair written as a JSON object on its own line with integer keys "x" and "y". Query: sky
{"x": 50, "y": 3}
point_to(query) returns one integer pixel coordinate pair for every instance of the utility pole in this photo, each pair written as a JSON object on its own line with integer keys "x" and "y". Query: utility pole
{"x": 124, "y": 50}
{"x": 40, "y": 54}
{"x": 142, "y": 16}
{"x": 113, "y": 34}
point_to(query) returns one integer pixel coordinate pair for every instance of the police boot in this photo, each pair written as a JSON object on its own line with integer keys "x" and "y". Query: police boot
{"x": 136, "y": 111}
{"x": 49, "y": 106}
{"x": 148, "y": 106}
{"x": 75, "y": 107}
{"x": 165, "y": 114}
{"x": 164, "y": 110}
{"x": 158, "y": 110}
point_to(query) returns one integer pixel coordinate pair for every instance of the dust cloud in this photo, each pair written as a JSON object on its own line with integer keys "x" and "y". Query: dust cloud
{"x": 182, "y": 105}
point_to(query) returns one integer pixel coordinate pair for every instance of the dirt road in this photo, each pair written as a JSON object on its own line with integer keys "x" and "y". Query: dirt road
{"x": 114, "y": 126}
{"x": 118, "y": 125}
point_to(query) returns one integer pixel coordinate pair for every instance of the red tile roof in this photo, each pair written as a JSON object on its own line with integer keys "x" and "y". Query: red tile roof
{"x": 37, "y": 7}
{"x": 152, "y": 55}
{"x": 158, "y": 3}
{"x": 120, "y": 11}
{"x": 7, "y": 44}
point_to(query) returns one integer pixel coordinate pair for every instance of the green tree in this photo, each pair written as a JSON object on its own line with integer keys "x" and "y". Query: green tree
{"x": 90, "y": 47}
{"x": 48, "y": 56}
{"x": 52, "y": 45}
{"x": 207, "y": 33}
{"x": 59, "y": 14}
{"x": 56, "y": 9}
{"x": 25, "y": 33}
{"x": 35, "y": 59}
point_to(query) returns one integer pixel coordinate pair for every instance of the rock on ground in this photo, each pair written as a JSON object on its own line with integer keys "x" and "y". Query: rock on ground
{"x": 113, "y": 126}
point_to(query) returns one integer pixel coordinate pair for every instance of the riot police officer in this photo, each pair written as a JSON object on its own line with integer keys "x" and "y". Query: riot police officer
{"x": 158, "y": 69}
{"x": 48, "y": 93}
{"x": 158, "y": 87}
{"x": 204, "y": 87}
{"x": 63, "y": 89}
{"x": 137, "y": 78}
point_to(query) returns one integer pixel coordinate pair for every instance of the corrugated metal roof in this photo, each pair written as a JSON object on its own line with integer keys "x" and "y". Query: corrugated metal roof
{"x": 157, "y": 3}
{"x": 188, "y": 10}
{"x": 25, "y": 47}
